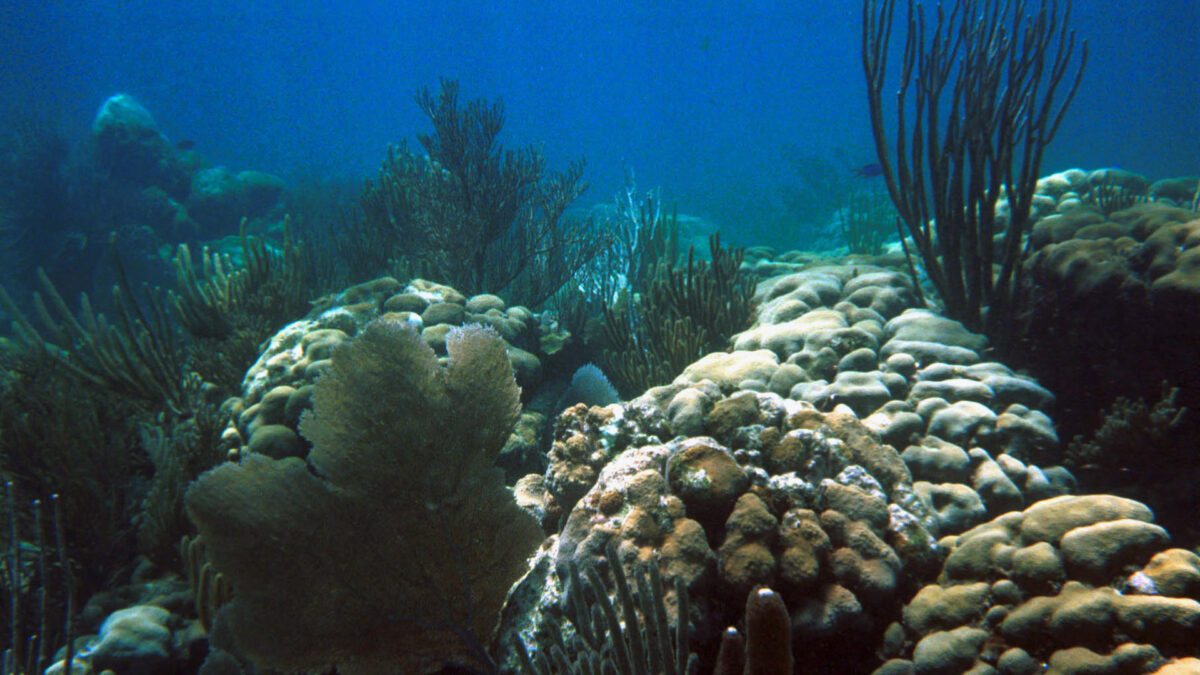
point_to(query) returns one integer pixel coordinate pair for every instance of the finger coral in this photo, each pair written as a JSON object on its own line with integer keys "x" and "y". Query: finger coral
{"x": 392, "y": 548}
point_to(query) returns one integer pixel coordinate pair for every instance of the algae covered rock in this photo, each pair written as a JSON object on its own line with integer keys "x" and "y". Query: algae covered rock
{"x": 129, "y": 144}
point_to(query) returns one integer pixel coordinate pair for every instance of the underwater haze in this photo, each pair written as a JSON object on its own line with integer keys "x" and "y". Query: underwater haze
{"x": 312, "y": 361}
{"x": 710, "y": 100}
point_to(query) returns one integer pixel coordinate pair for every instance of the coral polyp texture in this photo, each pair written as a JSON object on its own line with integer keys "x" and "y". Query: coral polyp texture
{"x": 825, "y": 457}
{"x": 1069, "y": 585}
{"x": 278, "y": 387}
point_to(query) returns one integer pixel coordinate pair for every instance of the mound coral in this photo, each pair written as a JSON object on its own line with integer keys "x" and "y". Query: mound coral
{"x": 1069, "y": 585}
{"x": 825, "y": 457}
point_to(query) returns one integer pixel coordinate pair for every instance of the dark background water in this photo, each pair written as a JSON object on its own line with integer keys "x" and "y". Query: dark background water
{"x": 708, "y": 99}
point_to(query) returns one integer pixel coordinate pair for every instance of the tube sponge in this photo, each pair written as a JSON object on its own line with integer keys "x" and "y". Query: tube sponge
{"x": 768, "y": 634}
{"x": 392, "y": 548}
{"x": 767, "y": 647}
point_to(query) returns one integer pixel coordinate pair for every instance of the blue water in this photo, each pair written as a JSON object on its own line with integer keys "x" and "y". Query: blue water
{"x": 705, "y": 99}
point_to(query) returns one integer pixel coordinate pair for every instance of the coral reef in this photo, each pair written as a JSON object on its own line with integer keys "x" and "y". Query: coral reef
{"x": 723, "y": 520}
{"x": 1107, "y": 290}
{"x": 983, "y": 110}
{"x": 866, "y": 220}
{"x": 230, "y": 309}
{"x": 814, "y": 473}
{"x": 732, "y": 476}
{"x": 60, "y": 438}
{"x": 1144, "y": 452}
{"x": 135, "y": 355}
{"x": 39, "y": 603}
{"x": 171, "y": 189}
{"x": 645, "y": 644}
{"x": 1070, "y": 584}
{"x": 684, "y": 312}
{"x": 841, "y": 455}
{"x": 277, "y": 388}
{"x": 767, "y": 647}
{"x": 1123, "y": 285}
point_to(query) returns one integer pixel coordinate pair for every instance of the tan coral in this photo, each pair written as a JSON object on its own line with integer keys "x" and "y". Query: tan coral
{"x": 1068, "y": 584}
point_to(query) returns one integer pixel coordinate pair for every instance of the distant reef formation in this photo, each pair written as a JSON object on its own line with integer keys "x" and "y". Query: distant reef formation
{"x": 188, "y": 198}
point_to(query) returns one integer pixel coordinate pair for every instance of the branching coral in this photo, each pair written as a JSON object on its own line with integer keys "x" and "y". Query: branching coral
{"x": 59, "y": 438}
{"x": 686, "y": 312}
{"x": 1128, "y": 429}
{"x": 983, "y": 80}
{"x": 210, "y": 590}
{"x": 1144, "y": 451}
{"x": 866, "y": 221}
{"x": 637, "y": 237}
{"x": 179, "y": 450}
{"x": 392, "y": 548}
{"x": 32, "y": 632}
{"x": 134, "y": 355}
{"x": 1112, "y": 197}
{"x": 231, "y": 310}
{"x": 472, "y": 214}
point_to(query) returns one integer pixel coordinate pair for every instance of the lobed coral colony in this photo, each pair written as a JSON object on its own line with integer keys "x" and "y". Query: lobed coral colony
{"x": 969, "y": 450}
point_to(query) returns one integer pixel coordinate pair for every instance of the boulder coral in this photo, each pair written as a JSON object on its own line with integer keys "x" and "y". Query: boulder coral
{"x": 1128, "y": 287}
{"x": 263, "y": 418}
{"x": 807, "y": 503}
{"x": 1122, "y": 289}
{"x": 1069, "y": 585}
{"x": 777, "y": 464}
{"x": 850, "y": 339}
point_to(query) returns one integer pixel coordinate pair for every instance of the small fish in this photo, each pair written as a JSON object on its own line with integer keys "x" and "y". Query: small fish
{"x": 76, "y": 240}
{"x": 869, "y": 171}
{"x": 185, "y": 145}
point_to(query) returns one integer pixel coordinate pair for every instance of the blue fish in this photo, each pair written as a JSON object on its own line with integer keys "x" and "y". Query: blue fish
{"x": 869, "y": 171}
